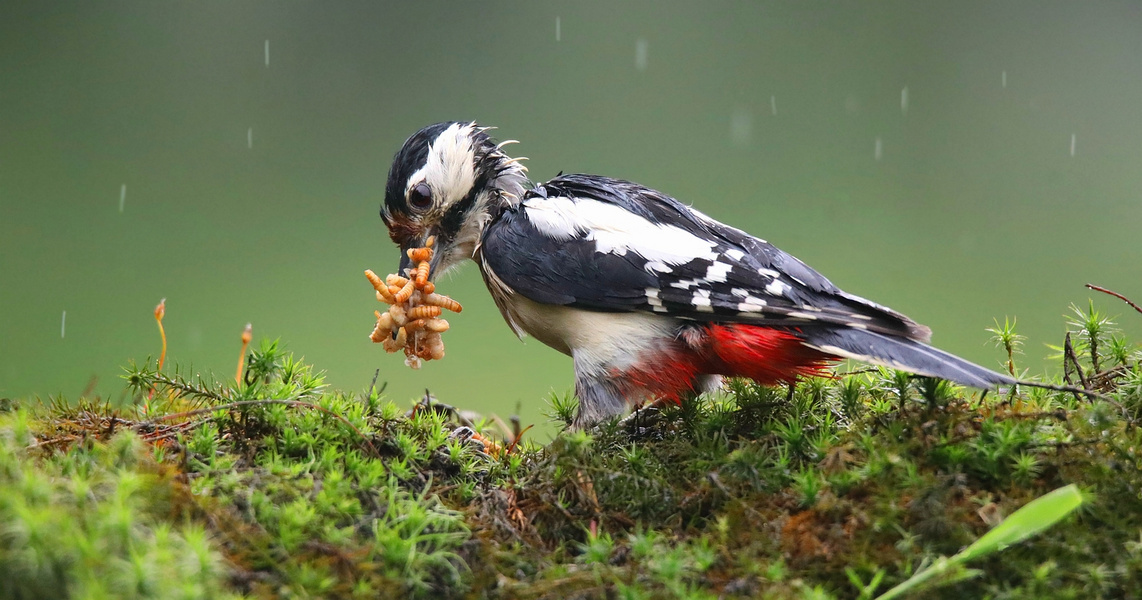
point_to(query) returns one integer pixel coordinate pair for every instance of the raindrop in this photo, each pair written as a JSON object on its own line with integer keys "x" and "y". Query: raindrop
{"x": 63, "y": 324}
{"x": 640, "y": 50}
{"x": 558, "y": 33}
{"x": 1004, "y": 79}
{"x": 773, "y": 105}
{"x": 267, "y": 53}
{"x": 1072, "y": 144}
{"x": 878, "y": 149}
{"x": 904, "y": 100}
{"x": 741, "y": 127}
{"x": 250, "y": 137}
{"x": 122, "y": 196}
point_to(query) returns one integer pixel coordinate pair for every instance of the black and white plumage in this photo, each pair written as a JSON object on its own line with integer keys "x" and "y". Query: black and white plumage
{"x": 650, "y": 297}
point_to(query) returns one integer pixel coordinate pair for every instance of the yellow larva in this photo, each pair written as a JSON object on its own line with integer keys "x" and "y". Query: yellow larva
{"x": 443, "y": 302}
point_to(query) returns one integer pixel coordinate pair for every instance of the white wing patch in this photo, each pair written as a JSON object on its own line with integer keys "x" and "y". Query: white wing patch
{"x": 718, "y": 271}
{"x": 685, "y": 284}
{"x": 617, "y": 231}
{"x": 701, "y": 301}
{"x": 653, "y": 300}
{"x": 749, "y": 303}
{"x": 734, "y": 254}
{"x": 777, "y": 287}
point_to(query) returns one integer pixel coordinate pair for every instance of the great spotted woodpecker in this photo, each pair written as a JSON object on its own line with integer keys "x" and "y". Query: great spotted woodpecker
{"x": 651, "y": 298}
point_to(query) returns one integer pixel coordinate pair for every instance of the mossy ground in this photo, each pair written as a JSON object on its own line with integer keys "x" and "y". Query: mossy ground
{"x": 757, "y": 492}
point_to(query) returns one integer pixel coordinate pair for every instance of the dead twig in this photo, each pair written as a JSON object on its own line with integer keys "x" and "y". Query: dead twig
{"x": 1069, "y": 354}
{"x": 1115, "y": 294}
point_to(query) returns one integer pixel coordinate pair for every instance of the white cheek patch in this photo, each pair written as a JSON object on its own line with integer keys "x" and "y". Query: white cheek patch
{"x": 617, "y": 231}
{"x": 450, "y": 167}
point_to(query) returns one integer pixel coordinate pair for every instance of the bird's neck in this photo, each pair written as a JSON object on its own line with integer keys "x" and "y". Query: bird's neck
{"x": 501, "y": 193}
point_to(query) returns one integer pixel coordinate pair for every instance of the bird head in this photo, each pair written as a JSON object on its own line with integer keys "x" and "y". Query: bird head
{"x": 447, "y": 181}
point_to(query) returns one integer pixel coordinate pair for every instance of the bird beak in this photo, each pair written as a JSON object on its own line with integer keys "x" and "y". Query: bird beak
{"x": 405, "y": 261}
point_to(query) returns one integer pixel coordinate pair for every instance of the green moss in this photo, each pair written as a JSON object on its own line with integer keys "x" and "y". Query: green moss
{"x": 839, "y": 488}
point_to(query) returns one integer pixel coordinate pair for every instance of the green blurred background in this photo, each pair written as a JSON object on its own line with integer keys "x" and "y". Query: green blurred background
{"x": 956, "y": 161}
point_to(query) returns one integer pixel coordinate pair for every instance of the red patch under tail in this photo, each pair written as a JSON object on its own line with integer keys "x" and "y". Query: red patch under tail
{"x": 764, "y": 354}
{"x": 668, "y": 375}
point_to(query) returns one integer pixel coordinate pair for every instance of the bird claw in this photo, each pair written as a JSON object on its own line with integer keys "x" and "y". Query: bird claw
{"x": 641, "y": 418}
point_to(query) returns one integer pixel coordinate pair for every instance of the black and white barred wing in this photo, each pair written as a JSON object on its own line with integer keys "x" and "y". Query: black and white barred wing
{"x": 608, "y": 245}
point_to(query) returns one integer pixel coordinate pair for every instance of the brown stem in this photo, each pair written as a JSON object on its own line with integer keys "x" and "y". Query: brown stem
{"x": 1115, "y": 294}
{"x": 1069, "y": 353}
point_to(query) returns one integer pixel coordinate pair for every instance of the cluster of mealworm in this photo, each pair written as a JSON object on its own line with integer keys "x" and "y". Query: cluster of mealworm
{"x": 412, "y": 323}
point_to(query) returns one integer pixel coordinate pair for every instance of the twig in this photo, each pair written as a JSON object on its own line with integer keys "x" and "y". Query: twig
{"x": 1076, "y": 391}
{"x": 49, "y": 442}
{"x": 187, "y": 388}
{"x": 1061, "y": 444}
{"x": 1115, "y": 294}
{"x": 1069, "y": 353}
{"x": 856, "y": 372}
{"x": 373, "y": 384}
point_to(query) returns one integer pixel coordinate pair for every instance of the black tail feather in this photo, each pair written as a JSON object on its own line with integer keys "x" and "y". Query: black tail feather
{"x": 904, "y": 354}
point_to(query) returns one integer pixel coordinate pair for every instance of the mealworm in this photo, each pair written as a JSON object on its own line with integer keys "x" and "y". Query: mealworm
{"x": 383, "y": 293}
{"x": 398, "y": 315}
{"x": 436, "y": 325}
{"x": 380, "y": 333}
{"x": 421, "y": 274}
{"x": 424, "y": 312}
{"x": 434, "y": 344}
{"x": 443, "y": 302}
{"x": 412, "y": 321}
{"x": 392, "y": 345}
{"x": 404, "y": 293}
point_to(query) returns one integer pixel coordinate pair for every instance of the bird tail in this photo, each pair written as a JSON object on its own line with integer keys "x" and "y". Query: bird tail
{"x": 904, "y": 354}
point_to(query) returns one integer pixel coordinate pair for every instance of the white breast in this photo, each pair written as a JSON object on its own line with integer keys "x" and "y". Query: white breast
{"x": 599, "y": 341}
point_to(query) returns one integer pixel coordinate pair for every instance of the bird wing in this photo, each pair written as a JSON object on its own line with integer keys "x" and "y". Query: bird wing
{"x": 604, "y": 244}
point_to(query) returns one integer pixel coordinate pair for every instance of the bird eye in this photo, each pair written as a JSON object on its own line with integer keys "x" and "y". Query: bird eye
{"x": 420, "y": 197}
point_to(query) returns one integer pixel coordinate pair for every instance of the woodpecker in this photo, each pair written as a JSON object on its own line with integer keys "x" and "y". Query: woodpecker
{"x": 652, "y": 299}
